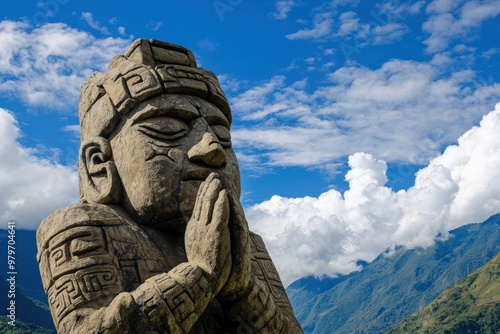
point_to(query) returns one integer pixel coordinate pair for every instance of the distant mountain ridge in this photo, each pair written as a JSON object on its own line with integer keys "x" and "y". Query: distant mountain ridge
{"x": 393, "y": 287}
{"x": 388, "y": 290}
{"x": 469, "y": 306}
{"x": 32, "y": 312}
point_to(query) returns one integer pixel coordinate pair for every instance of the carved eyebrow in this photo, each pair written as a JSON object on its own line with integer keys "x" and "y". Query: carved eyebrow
{"x": 180, "y": 113}
{"x": 213, "y": 115}
{"x": 216, "y": 120}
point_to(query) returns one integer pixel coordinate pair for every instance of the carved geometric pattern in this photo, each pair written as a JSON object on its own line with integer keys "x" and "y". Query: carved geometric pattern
{"x": 130, "y": 273}
{"x": 77, "y": 247}
{"x": 126, "y": 86}
{"x": 71, "y": 291}
{"x": 98, "y": 282}
{"x": 64, "y": 296}
{"x": 264, "y": 269}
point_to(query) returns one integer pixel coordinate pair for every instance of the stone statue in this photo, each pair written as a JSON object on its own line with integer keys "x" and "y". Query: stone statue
{"x": 159, "y": 242}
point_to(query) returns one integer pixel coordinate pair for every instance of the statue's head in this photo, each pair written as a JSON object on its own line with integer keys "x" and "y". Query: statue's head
{"x": 152, "y": 129}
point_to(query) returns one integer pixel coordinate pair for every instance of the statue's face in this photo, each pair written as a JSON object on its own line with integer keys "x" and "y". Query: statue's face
{"x": 164, "y": 149}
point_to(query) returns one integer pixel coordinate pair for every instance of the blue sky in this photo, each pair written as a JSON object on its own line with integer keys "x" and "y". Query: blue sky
{"x": 347, "y": 114}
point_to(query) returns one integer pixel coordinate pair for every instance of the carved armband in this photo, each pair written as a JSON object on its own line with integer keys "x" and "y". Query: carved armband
{"x": 78, "y": 269}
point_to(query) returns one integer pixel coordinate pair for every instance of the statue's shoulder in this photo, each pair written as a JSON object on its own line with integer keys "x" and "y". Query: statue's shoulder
{"x": 74, "y": 216}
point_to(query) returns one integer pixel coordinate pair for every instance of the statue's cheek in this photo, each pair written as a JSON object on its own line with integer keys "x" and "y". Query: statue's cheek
{"x": 177, "y": 155}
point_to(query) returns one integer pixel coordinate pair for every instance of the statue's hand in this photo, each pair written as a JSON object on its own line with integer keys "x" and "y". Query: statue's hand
{"x": 239, "y": 279}
{"x": 207, "y": 236}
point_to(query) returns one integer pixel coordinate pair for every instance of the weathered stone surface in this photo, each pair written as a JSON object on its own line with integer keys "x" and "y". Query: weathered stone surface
{"x": 159, "y": 242}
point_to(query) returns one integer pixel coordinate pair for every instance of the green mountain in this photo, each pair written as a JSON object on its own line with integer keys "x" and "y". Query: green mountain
{"x": 395, "y": 285}
{"x": 470, "y": 306}
{"x": 21, "y": 328}
{"x": 31, "y": 312}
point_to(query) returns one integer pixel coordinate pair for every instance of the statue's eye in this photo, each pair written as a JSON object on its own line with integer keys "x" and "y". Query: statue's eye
{"x": 163, "y": 128}
{"x": 222, "y": 134}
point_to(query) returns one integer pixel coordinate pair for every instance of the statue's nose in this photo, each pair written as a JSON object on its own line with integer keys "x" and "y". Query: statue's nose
{"x": 208, "y": 151}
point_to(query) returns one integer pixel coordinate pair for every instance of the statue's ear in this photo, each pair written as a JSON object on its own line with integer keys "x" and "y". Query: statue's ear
{"x": 99, "y": 179}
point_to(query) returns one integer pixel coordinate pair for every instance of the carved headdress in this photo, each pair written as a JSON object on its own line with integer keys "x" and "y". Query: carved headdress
{"x": 148, "y": 68}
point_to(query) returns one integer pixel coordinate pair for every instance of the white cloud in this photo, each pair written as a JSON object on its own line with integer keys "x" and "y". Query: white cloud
{"x": 72, "y": 128}
{"x": 381, "y": 28}
{"x": 310, "y": 60}
{"x": 450, "y": 20}
{"x": 339, "y": 3}
{"x": 329, "y": 52}
{"x": 229, "y": 83}
{"x": 490, "y": 53}
{"x": 442, "y": 6}
{"x": 404, "y": 111}
{"x": 283, "y": 7}
{"x": 349, "y": 24}
{"x": 447, "y": 21}
{"x": 322, "y": 26}
{"x": 45, "y": 66}
{"x": 94, "y": 24}
{"x": 350, "y": 28}
{"x": 30, "y": 187}
{"x": 154, "y": 25}
{"x": 391, "y": 11}
{"x": 208, "y": 44}
{"x": 387, "y": 34}
{"x": 328, "y": 234}
{"x": 256, "y": 97}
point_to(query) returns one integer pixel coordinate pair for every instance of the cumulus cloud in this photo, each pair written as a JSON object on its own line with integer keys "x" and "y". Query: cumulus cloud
{"x": 404, "y": 111}
{"x": 30, "y": 187}
{"x": 45, "y": 66}
{"x": 328, "y": 234}
{"x": 349, "y": 24}
{"x": 449, "y": 20}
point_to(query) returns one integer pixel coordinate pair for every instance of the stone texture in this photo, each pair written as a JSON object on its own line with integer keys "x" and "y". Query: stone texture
{"x": 159, "y": 242}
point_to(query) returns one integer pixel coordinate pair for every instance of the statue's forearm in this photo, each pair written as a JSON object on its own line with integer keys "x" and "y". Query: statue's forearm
{"x": 184, "y": 292}
{"x": 166, "y": 303}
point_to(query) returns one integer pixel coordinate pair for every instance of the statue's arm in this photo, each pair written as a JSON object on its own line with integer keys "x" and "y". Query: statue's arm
{"x": 86, "y": 287}
{"x": 264, "y": 307}
{"x": 253, "y": 298}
